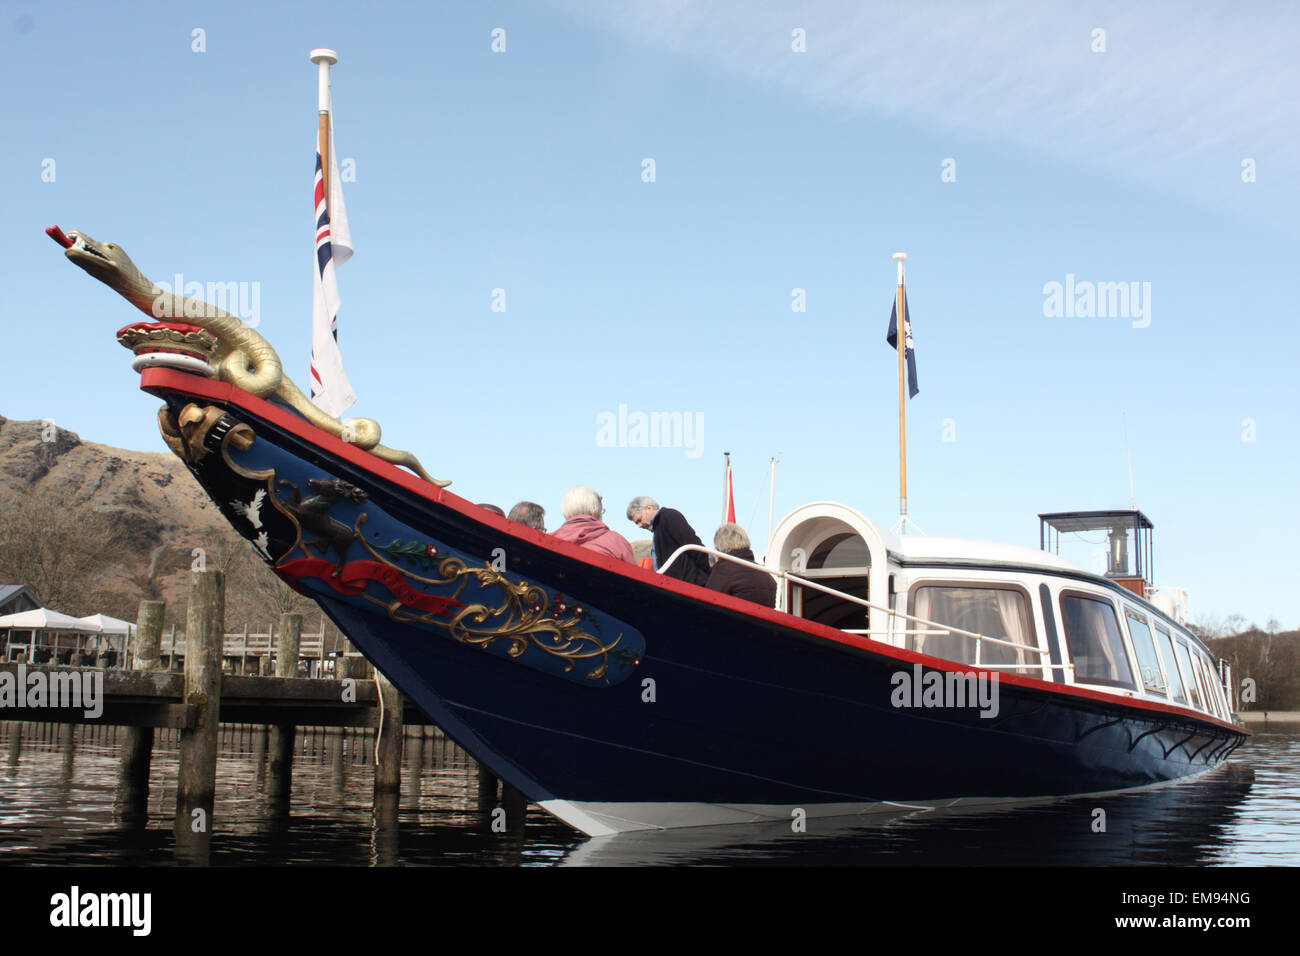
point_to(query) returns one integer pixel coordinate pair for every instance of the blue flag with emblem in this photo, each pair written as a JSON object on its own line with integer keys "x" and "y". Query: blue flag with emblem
{"x": 892, "y": 339}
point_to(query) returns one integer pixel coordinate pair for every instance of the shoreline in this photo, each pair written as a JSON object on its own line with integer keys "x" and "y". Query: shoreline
{"x": 1269, "y": 716}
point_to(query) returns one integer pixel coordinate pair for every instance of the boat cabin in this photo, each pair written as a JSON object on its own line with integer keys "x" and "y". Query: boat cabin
{"x": 1001, "y": 606}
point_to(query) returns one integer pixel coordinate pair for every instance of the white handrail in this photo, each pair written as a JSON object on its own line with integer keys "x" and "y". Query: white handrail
{"x": 938, "y": 628}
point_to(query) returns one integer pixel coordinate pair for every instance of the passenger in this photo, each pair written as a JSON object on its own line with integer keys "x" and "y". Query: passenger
{"x": 582, "y": 509}
{"x": 529, "y": 514}
{"x": 641, "y": 552}
{"x": 748, "y": 584}
{"x": 670, "y": 530}
{"x": 492, "y": 508}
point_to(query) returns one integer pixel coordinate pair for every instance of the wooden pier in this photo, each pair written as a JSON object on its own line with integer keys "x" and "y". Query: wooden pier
{"x": 199, "y": 700}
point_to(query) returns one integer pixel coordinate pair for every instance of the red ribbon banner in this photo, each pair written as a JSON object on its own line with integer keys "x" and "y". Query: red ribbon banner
{"x": 357, "y": 574}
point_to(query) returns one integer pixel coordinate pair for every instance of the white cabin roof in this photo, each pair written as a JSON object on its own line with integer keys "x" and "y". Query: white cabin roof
{"x": 915, "y": 547}
{"x": 923, "y": 548}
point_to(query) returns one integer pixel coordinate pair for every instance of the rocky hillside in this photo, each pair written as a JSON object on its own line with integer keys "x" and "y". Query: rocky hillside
{"x": 93, "y": 528}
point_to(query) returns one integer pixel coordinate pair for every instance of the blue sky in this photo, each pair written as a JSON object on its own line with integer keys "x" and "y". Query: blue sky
{"x": 775, "y": 170}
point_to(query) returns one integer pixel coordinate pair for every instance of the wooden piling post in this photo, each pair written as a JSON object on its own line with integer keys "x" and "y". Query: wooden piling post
{"x": 279, "y": 783}
{"x": 516, "y": 806}
{"x": 147, "y": 652}
{"x": 487, "y": 790}
{"x": 388, "y": 739}
{"x": 16, "y": 730}
{"x": 385, "y": 846}
{"x": 137, "y": 748}
{"x": 196, "y": 781}
{"x": 287, "y": 645}
{"x": 259, "y": 752}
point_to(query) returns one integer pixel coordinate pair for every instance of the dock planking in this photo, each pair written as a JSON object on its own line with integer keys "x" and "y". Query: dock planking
{"x": 156, "y": 699}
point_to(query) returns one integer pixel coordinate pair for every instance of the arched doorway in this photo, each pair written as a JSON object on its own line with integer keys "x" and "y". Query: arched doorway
{"x": 834, "y": 546}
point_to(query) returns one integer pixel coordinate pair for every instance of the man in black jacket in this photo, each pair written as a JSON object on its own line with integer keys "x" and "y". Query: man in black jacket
{"x": 670, "y": 530}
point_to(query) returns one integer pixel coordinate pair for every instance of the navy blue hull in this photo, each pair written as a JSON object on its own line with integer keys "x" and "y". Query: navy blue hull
{"x": 775, "y": 721}
{"x": 642, "y": 690}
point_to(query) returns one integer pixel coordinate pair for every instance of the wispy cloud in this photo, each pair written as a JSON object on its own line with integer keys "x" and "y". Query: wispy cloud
{"x": 1182, "y": 92}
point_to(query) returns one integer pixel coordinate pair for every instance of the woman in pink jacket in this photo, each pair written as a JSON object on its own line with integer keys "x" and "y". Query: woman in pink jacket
{"x": 582, "y": 509}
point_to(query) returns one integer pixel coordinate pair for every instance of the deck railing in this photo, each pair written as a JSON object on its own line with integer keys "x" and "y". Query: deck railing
{"x": 930, "y": 628}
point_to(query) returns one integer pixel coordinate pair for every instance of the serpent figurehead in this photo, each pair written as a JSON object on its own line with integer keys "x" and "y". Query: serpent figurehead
{"x": 242, "y": 357}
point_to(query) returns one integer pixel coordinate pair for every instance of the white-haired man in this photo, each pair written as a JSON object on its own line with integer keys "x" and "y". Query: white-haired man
{"x": 582, "y": 509}
{"x": 670, "y": 531}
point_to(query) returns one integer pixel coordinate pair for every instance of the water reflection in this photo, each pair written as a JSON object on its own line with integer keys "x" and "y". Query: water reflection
{"x": 60, "y": 803}
{"x": 1171, "y": 825}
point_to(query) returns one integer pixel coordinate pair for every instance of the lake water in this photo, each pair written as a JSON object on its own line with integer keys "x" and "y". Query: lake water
{"x": 59, "y": 806}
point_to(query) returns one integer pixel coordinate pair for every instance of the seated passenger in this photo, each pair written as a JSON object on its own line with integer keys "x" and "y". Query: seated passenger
{"x": 748, "y": 584}
{"x": 530, "y": 514}
{"x": 582, "y": 509}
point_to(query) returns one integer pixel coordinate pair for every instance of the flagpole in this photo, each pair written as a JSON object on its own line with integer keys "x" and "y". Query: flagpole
{"x": 324, "y": 59}
{"x": 771, "y": 497}
{"x": 901, "y": 309}
{"x": 726, "y": 470}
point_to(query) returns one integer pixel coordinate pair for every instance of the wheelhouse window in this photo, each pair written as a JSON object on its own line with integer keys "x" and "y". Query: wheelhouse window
{"x": 1171, "y": 665}
{"x": 1093, "y": 637}
{"x": 1148, "y": 659}
{"x": 996, "y": 612}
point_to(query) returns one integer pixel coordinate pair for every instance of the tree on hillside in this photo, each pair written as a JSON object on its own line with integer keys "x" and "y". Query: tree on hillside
{"x": 61, "y": 553}
{"x": 1271, "y": 662}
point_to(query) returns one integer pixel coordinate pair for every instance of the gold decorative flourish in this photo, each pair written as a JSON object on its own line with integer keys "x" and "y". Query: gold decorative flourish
{"x": 195, "y": 340}
{"x": 522, "y": 619}
{"x": 171, "y": 432}
{"x": 185, "y": 433}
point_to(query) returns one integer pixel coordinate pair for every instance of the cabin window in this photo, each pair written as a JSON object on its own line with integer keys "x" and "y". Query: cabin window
{"x": 1096, "y": 645}
{"x": 1217, "y": 691}
{"x": 996, "y": 612}
{"x": 1148, "y": 659}
{"x": 1200, "y": 682}
{"x": 1207, "y": 683}
{"x": 1171, "y": 665}
{"x": 1189, "y": 675}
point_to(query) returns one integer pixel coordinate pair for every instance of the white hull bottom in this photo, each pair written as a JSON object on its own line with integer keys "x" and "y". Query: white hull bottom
{"x": 607, "y": 819}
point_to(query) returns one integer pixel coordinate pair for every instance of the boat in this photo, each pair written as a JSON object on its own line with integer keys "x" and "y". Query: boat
{"x": 895, "y": 671}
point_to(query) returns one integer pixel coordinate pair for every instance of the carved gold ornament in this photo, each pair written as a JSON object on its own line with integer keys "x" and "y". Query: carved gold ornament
{"x": 524, "y": 619}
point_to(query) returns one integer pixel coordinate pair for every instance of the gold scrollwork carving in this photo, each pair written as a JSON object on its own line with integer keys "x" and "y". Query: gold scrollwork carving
{"x": 523, "y": 618}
